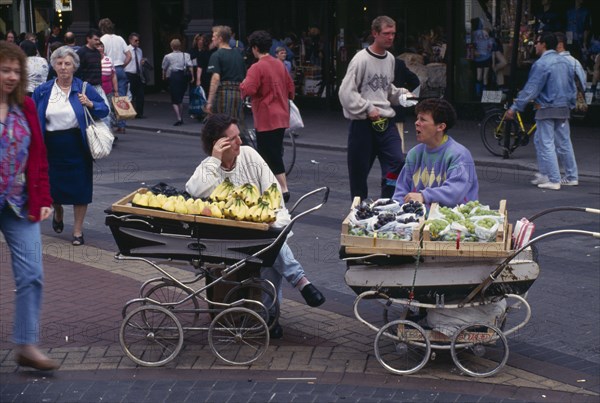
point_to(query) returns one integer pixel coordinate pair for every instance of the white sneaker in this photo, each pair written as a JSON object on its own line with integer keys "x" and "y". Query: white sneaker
{"x": 549, "y": 185}
{"x": 539, "y": 178}
{"x": 567, "y": 182}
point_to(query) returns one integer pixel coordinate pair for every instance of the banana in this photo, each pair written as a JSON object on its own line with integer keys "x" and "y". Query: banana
{"x": 169, "y": 205}
{"x": 143, "y": 200}
{"x": 136, "y": 198}
{"x": 153, "y": 201}
{"x": 222, "y": 190}
{"x": 253, "y": 213}
{"x": 275, "y": 196}
{"x": 215, "y": 211}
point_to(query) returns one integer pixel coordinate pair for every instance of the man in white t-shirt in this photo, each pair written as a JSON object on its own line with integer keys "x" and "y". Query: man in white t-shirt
{"x": 135, "y": 75}
{"x": 116, "y": 48}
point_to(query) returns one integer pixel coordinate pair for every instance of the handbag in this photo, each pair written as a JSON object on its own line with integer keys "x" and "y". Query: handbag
{"x": 187, "y": 75}
{"x": 99, "y": 137}
{"x": 123, "y": 108}
{"x": 295, "y": 117}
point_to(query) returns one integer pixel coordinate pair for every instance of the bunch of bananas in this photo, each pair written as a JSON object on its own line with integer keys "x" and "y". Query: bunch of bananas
{"x": 222, "y": 191}
{"x": 261, "y": 212}
{"x": 274, "y": 196}
{"x": 179, "y": 204}
{"x": 247, "y": 192}
{"x": 236, "y": 208}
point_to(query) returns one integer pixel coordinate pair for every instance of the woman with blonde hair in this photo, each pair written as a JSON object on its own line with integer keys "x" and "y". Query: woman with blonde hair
{"x": 174, "y": 66}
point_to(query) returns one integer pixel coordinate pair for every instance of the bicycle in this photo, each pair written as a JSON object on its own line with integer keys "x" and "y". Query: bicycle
{"x": 501, "y": 136}
{"x": 289, "y": 157}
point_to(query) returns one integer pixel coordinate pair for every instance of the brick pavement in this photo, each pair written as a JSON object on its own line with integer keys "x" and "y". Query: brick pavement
{"x": 86, "y": 289}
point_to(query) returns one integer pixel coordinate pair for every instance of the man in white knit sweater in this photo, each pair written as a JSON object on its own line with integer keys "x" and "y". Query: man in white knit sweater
{"x": 366, "y": 94}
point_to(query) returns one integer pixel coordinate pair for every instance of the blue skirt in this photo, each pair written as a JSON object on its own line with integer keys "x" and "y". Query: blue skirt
{"x": 70, "y": 167}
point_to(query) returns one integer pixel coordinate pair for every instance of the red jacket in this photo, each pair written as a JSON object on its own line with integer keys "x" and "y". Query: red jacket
{"x": 270, "y": 86}
{"x": 36, "y": 171}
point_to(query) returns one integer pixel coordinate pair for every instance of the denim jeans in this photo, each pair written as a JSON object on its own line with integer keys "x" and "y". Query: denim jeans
{"x": 123, "y": 84}
{"x": 285, "y": 266}
{"x": 25, "y": 244}
{"x": 552, "y": 141}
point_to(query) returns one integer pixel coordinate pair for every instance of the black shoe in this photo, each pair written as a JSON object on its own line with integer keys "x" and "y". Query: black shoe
{"x": 78, "y": 240}
{"x": 276, "y": 331}
{"x": 312, "y": 296}
{"x": 178, "y": 123}
{"x": 286, "y": 196}
{"x": 57, "y": 226}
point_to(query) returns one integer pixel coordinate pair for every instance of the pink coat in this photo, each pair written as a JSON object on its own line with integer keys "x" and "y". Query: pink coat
{"x": 270, "y": 86}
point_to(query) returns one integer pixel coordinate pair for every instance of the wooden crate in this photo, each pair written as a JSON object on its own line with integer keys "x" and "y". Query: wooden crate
{"x": 124, "y": 206}
{"x": 373, "y": 244}
{"x": 360, "y": 245}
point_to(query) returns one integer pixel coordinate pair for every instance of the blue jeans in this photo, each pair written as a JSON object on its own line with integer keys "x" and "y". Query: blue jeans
{"x": 123, "y": 84}
{"x": 552, "y": 141}
{"x": 285, "y": 266}
{"x": 25, "y": 244}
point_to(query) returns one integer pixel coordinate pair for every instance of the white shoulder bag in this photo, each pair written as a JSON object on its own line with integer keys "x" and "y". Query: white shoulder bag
{"x": 99, "y": 137}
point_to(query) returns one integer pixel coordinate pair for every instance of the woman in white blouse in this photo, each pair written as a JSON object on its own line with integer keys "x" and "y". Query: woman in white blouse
{"x": 174, "y": 67}
{"x": 60, "y": 104}
{"x": 37, "y": 66}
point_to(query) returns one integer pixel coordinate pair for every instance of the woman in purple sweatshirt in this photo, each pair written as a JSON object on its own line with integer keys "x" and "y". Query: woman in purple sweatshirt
{"x": 438, "y": 170}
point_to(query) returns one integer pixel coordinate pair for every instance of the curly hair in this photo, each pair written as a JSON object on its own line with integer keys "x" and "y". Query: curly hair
{"x": 11, "y": 52}
{"x": 441, "y": 111}
{"x": 262, "y": 40}
{"x": 214, "y": 129}
{"x": 64, "y": 51}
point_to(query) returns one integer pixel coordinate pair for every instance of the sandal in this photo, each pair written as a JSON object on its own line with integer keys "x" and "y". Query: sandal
{"x": 77, "y": 240}
{"x": 57, "y": 226}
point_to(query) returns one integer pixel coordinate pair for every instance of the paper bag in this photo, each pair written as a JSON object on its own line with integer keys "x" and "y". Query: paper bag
{"x": 123, "y": 108}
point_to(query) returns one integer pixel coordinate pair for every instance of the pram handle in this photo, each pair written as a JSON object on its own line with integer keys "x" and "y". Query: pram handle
{"x": 564, "y": 208}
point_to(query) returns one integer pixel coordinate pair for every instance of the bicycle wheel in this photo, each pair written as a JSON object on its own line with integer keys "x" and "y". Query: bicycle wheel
{"x": 151, "y": 336}
{"x": 289, "y": 152}
{"x": 493, "y": 130}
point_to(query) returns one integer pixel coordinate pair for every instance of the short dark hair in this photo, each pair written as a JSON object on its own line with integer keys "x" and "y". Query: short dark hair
{"x": 262, "y": 40}
{"x": 549, "y": 39}
{"x": 560, "y": 38}
{"x": 93, "y": 32}
{"x": 441, "y": 111}
{"x": 29, "y": 48}
{"x": 134, "y": 34}
{"x": 214, "y": 129}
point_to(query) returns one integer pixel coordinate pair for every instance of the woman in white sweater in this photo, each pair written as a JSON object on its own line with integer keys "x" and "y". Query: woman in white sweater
{"x": 242, "y": 164}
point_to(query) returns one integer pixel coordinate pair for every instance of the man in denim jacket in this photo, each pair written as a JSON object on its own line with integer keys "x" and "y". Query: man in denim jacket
{"x": 551, "y": 84}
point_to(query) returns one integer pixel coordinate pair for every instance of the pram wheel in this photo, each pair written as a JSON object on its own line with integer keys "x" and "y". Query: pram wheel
{"x": 151, "y": 336}
{"x": 168, "y": 294}
{"x": 479, "y": 350}
{"x": 258, "y": 290}
{"x": 402, "y": 347}
{"x": 238, "y": 336}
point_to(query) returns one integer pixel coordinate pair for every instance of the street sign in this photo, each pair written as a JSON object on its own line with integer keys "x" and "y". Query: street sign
{"x": 63, "y": 5}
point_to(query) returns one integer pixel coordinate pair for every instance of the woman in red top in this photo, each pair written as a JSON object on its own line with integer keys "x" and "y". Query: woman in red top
{"x": 270, "y": 87}
{"x": 24, "y": 201}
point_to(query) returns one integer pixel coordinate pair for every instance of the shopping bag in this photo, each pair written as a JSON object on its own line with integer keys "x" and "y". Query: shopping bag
{"x": 123, "y": 108}
{"x": 197, "y": 101}
{"x": 295, "y": 118}
{"x": 99, "y": 137}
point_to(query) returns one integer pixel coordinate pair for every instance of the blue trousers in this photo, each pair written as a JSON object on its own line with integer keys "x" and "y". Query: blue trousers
{"x": 552, "y": 142}
{"x": 25, "y": 244}
{"x": 285, "y": 266}
{"x": 364, "y": 145}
